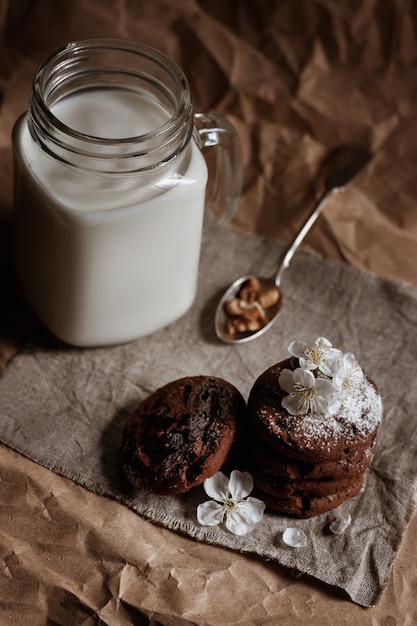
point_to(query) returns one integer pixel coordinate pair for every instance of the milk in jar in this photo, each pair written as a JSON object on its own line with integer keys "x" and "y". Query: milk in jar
{"x": 95, "y": 272}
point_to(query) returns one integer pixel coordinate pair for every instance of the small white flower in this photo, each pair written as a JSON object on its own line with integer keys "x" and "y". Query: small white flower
{"x": 231, "y": 503}
{"x": 320, "y": 355}
{"x": 307, "y": 393}
{"x": 348, "y": 377}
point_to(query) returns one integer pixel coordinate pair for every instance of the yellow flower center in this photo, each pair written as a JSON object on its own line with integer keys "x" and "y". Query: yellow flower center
{"x": 307, "y": 398}
{"x": 315, "y": 355}
{"x": 230, "y": 504}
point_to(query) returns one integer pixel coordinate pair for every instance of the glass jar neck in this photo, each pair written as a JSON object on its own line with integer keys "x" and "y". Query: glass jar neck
{"x": 107, "y": 64}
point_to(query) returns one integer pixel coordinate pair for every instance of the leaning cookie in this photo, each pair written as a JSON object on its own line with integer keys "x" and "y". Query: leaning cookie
{"x": 181, "y": 434}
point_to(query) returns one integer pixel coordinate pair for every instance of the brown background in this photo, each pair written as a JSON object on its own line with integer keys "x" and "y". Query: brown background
{"x": 296, "y": 78}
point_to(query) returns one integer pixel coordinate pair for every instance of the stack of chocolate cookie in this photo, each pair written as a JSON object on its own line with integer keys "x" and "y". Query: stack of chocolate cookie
{"x": 308, "y": 464}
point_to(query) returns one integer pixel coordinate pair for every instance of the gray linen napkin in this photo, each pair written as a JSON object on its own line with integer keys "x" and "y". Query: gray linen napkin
{"x": 65, "y": 408}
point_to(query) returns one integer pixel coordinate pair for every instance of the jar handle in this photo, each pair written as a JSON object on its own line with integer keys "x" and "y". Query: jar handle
{"x": 225, "y": 169}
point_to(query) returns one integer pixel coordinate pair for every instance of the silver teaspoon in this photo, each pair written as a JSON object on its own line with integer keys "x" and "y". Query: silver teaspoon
{"x": 251, "y": 304}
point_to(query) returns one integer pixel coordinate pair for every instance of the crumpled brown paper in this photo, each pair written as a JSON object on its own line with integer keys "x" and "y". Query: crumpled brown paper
{"x": 295, "y": 78}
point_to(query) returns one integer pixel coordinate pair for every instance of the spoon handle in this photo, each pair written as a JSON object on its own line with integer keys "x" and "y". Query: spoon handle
{"x": 290, "y": 251}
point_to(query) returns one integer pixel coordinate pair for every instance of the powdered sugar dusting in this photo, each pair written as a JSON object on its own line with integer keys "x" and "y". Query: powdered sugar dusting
{"x": 361, "y": 414}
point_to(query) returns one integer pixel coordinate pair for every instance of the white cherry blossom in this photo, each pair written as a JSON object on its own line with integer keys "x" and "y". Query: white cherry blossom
{"x": 231, "y": 503}
{"x": 348, "y": 377}
{"x": 320, "y": 355}
{"x": 307, "y": 393}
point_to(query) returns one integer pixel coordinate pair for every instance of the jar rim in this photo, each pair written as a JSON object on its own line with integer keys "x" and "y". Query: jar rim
{"x": 63, "y": 68}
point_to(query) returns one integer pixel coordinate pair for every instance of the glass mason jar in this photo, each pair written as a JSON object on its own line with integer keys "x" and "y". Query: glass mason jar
{"x": 110, "y": 191}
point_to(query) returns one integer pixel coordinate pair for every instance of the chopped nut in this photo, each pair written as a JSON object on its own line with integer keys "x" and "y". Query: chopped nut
{"x": 252, "y": 311}
{"x": 269, "y": 297}
{"x": 246, "y": 310}
{"x": 253, "y": 325}
{"x": 233, "y": 307}
{"x": 241, "y": 325}
{"x": 250, "y": 290}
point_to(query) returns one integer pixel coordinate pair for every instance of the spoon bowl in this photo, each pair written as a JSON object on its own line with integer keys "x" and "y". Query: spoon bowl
{"x": 340, "y": 168}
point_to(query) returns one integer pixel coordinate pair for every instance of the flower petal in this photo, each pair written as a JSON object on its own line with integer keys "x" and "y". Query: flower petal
{"x": 322, "y": 342}
{"x": 297, "y": 348}
{"x": 335, "y": 404}
{"x": 340, "y": 523}
{"x": 294, "y": 537}
{"x": 286, "y": 380}
{"x": 244, "y": 519}
{"x": 328, "y": 399}
{"x": 350, "y": 363}
{"x": 292, "y": 404}
{"x": 236, "y": 524}
{"x": 252, "y": 510}
{"x": 331, "y": 364}
{"x": 210, "y": 513}
{"x": 325, "y": 387}
{"x": 240, "y": 484}
{"x": 217, "y": 487}
{"x": 304, "y": 377}
{"x": 307, "y": 364}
